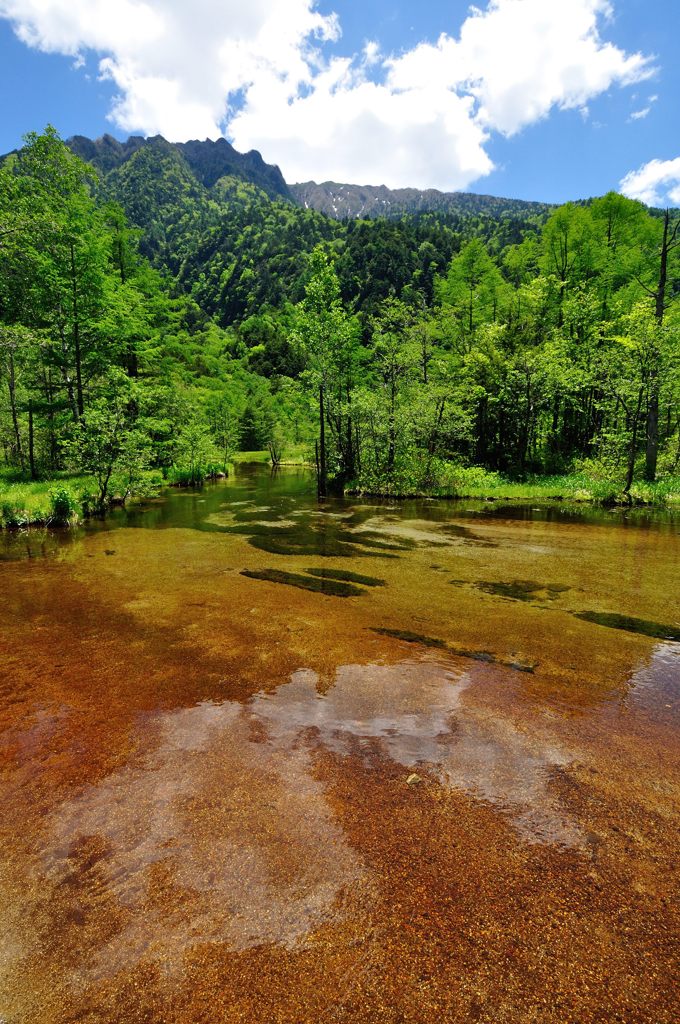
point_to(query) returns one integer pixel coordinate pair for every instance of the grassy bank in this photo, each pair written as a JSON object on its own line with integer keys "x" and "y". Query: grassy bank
{"x": 295, "y": 455}
{"x": 69, "y": 498}
{"x": 474, "y": 482}
{"x": 42, "y": 501}
{"x": 64, "y": 499}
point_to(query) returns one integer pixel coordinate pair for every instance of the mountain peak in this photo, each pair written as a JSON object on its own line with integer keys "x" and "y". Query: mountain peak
{"x": 209, "y": 159}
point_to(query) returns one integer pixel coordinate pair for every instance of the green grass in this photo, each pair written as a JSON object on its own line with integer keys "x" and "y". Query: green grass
{"x": 474, "y": 482}
{"x": 239, "y": 457}
{"x": 23, "y": 503}
{"x": 63, "y": 498}
{"x": 72, "y": 496}
{"x": 293, "y": 455}
{"x": 576, "y": 487}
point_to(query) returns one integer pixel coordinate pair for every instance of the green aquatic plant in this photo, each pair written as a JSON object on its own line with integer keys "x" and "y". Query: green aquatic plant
{"x": 460, "y": 652}
{"x": 331, "y": 587}
{"x": 522, "y": 590}
{"x": 630, "y": 624}
{"x": 347, "y": 577}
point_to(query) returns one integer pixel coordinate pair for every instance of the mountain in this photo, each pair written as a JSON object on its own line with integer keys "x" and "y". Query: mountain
{"x": 227, "y": 230}
{"x": 352, "y": 202}
{"x": 230, "y": 232}
{"x": 208, "y": 161}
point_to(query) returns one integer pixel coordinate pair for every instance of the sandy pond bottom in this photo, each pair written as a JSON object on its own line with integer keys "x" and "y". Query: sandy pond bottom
{"x": 263, "y": 761}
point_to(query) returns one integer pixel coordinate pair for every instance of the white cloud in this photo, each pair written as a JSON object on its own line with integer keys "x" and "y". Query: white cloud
{"x": 656, "y": 183}
{"x": 640, "y": 115}
{"x": 371, "y": 52}
{"x": 177, "y": 64}
{"x": 257, "y": 72}
{"x": 522, "y": 58}
{"x": 351, "y": 129}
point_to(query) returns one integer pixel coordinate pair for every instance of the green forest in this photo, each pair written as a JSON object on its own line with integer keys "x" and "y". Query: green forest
{"x": 155, "y": 323}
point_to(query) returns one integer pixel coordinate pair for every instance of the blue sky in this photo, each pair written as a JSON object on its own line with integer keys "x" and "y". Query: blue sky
{"x": 535, "y": 99}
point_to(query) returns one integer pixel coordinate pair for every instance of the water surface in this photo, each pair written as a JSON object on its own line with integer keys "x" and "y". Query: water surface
{"x": 268, "y": 760}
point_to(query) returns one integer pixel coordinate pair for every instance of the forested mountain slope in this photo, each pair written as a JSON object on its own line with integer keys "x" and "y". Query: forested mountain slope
{"x": 155, "y": 316}
{"x": 238, "y": 247}
{"x": 209, "y": 161}
{"x": 205, "y": 223}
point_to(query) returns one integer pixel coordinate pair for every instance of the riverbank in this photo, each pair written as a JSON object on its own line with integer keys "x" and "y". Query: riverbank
{"x": 64, "y": 499}
{"x": 470, "y": 484}
{"x": 39, "y": 502}
{"x": 69, "y": 498}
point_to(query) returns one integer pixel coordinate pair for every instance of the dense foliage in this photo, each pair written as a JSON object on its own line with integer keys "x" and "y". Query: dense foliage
{"x": 153, "y": 320}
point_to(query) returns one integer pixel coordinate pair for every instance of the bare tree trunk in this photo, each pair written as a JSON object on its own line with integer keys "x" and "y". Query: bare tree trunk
{"x": 68, "y": 382}
{"x": 633, "y": 445}
{"x": 350, "y": 465}
{"x": 668, "y": 242}
{"x": 76, "y": 335}
{"x": 392, "y": 429}
{"x": 652, "y": 451}
{"x": 12, "y": 385}
{"x": 31, "y": 450}
{"x": 49, "y": 399}
{"x": 322, "y": 476}
{"x": 434, "y": 437}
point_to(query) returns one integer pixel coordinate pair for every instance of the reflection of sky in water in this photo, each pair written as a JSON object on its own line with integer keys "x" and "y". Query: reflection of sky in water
{"x": 214, "y": 836}
{"x": 414, "y": 712}
{"x": 658, "y": 680}
{"x": 221, "y": 823}
{"x": 222, "y": 833}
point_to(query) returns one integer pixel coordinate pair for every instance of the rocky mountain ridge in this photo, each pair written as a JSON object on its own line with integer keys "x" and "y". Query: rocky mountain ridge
{"x": 353, "y": 202}
{"x": 209, "y": 161}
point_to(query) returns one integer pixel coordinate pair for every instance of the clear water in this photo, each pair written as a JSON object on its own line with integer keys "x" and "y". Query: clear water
{"x": 262, "y": 759}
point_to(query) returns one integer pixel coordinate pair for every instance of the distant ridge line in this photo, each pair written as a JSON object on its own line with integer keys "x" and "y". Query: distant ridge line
{"x": 211, "y": 160}
{"x": 345, "y": 201}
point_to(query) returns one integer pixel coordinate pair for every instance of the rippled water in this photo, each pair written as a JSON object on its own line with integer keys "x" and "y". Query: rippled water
{"x": 268, "y": 760}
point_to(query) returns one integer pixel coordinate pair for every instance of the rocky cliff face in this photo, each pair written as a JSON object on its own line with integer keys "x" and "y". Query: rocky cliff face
{"x": 370, "y": 201}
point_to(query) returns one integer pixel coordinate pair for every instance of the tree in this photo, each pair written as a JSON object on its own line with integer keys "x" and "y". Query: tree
{"x": 473, "y": 291}
{"x": 659, "y": 254}
{"x": 328, "y": 339}
{"x": 393, "y": 360}
{"x": 224, "y": 427}
{"x": 194, "y": 450}
{"x": 634, "y": 372}
{"x": 567, "y": 250}
{"x": 12, "y": 356}
{"x": 107, "y": 439}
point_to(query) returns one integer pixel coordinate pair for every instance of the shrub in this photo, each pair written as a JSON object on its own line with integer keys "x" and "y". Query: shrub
{"x": 64, "y": 506}
{"x": 465, "y": 480}
{"x": 90, "y": 503}
{"x": 12, "y": 515}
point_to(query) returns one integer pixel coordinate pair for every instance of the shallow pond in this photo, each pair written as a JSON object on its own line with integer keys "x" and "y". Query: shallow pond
{"x": 266, "y": 760}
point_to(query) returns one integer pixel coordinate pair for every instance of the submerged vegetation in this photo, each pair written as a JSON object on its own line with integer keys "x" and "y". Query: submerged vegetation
{"x": 155, "y": 322}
